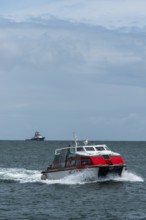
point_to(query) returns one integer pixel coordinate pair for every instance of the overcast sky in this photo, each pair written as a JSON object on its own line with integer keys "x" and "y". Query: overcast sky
{"x": 73, "y": 66}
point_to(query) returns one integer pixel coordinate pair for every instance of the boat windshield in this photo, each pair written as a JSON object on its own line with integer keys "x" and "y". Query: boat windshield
{"x": 80, "y": 149}
{"x": 106, "y": 147}
{"x": 99, "y": 148}
{"x": 89, "y": 148}
{"x": 102, "y": 148}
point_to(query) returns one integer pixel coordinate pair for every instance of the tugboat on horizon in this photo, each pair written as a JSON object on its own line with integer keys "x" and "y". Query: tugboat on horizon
{"x": 37, "y": 137}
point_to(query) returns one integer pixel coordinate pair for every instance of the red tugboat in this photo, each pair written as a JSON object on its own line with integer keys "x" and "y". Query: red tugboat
{"x": 98, "y": 159}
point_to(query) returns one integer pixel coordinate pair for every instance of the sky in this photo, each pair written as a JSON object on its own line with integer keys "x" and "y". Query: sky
{"x": 75, "y": 66}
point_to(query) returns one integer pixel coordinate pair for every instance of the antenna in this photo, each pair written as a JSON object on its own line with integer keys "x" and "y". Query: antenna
{"x": 75, "y": 139}
{"x": 86, "y": 142}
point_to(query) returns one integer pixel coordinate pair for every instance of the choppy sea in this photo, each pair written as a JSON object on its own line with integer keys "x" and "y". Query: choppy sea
{"x": 24, "y": 196}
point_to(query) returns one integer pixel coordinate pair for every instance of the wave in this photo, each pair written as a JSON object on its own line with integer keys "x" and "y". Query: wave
{"x": 33, "y": 176}
{"x": 128, "y": 176}
{"x": 20, "y": 175}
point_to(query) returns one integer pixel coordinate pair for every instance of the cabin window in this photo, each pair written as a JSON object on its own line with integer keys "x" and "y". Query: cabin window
{"x": 99, "y": 148}
{"x": 78, "y": 162}
{"x": 68, "y": 163}
{"x": 106, "y": 147}
{"x": 80, "y": 149}
{"x": 89, "y": 148}
{"x": 85, "y": 161}
{"x": 72, "y": 163}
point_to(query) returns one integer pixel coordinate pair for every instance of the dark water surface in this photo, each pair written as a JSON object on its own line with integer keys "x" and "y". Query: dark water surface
{"x": 23, "y": 195}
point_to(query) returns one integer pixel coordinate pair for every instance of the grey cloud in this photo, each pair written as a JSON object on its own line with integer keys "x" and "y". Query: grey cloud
{"x": 74, "y": 74}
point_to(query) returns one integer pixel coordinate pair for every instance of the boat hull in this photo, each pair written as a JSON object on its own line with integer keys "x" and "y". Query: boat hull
{"x": 36, "y": 139}
{"x": 96, "y": 171}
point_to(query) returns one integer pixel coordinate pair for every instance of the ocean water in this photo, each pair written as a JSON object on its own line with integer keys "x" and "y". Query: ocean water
{"x": 23, "y": 195}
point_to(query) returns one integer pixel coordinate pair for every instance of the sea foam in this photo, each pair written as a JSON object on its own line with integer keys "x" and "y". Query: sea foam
{"x": 32, "y": 176}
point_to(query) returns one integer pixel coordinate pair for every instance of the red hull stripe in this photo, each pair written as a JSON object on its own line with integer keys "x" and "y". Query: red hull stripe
{"x": 99, "y": 160}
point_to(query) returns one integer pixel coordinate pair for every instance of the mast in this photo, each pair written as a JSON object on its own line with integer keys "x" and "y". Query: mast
{"x": 75, "y": 139}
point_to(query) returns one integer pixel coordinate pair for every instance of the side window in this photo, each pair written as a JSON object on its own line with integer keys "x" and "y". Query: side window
{"x": 80, "y": 149}
{"x": 86, "y": 162}
{"x": 68, "y": 163}
{"x": 73, "y": 163}
{"x": 78, "y": 162}
{"x": 89, "y": 148}
{"x": 100, "y": 148}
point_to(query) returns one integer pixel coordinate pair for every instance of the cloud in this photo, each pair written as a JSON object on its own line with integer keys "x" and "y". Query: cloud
{"x": 108, "y": 13}
{"x": 64, "y": 74}
{"x": 44, "y": 48}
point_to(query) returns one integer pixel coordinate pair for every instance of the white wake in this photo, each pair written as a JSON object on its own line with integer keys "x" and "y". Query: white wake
{"x": 33, "y": 176}
{"x": 20, "y": 175}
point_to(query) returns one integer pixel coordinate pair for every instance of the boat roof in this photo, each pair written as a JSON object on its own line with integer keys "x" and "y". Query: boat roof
{"x": 86, "y": 150}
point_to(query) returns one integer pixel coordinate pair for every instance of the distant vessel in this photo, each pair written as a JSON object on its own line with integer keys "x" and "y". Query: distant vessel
{"x": 37, "y": 137}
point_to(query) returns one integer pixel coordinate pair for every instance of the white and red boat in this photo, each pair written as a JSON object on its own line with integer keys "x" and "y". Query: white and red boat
{"x": 97, "y": 159}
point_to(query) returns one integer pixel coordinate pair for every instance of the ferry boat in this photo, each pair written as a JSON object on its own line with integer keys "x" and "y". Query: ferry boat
{"x": 97, "y": 159}
{"x": 37, "y": 137}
